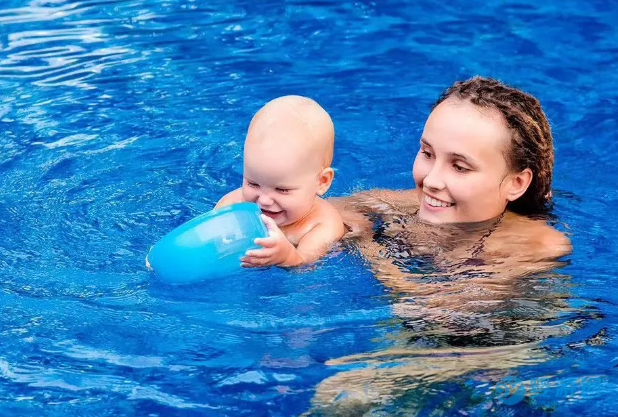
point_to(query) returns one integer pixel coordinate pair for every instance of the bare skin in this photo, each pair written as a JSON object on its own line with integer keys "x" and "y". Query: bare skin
{"x": 354, "y": 393}
{"x": 303, "y": 241}
{"x": 512, "y": 248}
{"x": 456, "y": 264}
{"x": 286, "y": 170}
{"x": 516, "y": 245}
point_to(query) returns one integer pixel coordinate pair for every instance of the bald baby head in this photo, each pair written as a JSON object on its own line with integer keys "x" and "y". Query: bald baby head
{"x": 297, "y": 124}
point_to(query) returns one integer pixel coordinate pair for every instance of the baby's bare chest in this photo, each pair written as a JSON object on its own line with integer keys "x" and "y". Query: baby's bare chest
{"x": 295, "y": 232}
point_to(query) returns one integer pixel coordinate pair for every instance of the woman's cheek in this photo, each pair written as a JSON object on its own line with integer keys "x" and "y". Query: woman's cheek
{"x": 464, "y": 189}
{"x": 419, "y": 170}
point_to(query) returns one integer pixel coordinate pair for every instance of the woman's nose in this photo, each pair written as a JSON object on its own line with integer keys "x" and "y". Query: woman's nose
{"x": 433, "y": 179}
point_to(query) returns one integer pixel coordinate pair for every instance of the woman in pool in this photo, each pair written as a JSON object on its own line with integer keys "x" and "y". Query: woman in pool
{"x": 452, "y": 248}
{"x": 483, "y": 180}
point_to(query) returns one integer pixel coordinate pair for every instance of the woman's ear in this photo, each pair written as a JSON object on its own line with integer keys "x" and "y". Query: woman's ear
{"x": 325, "y": 179}
{"x": 518, "y": 184}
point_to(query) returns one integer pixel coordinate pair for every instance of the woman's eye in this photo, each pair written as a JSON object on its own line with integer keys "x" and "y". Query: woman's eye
{"x": 460, "y": 168}
{"x": 426, "y": 153}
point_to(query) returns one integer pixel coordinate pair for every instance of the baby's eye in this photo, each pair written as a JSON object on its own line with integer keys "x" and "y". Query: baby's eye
{"x": 253, "y": 184}
{"x": 283, "y": 190}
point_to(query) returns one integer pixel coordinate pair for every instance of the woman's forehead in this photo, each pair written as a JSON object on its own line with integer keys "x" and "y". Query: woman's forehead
{"x": 462, "y": 127}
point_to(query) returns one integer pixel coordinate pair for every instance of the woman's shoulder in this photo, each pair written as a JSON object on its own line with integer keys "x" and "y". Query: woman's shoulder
{"x": 396, "y": 196}
{"x": 354, "y": 208}
{"x": 524, "y": 236}
{"x": 378, "y": 199}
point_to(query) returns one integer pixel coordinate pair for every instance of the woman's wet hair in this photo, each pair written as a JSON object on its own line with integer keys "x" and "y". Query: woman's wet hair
{"x": 531, "y": 141}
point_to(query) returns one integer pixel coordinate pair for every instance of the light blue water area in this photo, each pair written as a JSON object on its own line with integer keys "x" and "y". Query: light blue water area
{"x": 119, "y": 120}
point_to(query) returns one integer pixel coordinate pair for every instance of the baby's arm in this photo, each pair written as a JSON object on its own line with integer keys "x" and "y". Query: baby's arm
{"x": 230, "y": 198}
{"x": 277, "y": 250}
{"x": 316, "y": 243}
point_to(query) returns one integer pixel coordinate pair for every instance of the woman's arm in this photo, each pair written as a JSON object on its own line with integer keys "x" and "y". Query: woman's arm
{"x": 354, "y": 208}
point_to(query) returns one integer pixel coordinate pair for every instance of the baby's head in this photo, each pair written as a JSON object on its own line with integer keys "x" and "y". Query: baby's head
{"x": 287, "y": 157}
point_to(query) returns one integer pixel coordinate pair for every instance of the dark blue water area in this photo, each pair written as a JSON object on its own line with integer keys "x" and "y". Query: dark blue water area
{"x": 119, "y": 120}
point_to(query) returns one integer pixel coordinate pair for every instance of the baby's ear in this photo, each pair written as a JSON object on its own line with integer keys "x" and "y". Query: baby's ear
{"x": 325, "y": 179}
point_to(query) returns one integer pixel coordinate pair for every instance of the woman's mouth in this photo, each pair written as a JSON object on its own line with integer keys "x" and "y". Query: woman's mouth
{"x": 435, "y": 203}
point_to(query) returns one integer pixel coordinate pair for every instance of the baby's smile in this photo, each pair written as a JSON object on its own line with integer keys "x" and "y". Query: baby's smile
{"x": 271, "y": 214}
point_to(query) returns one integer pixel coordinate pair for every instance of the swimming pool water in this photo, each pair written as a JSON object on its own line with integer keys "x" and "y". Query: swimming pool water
{"x": 119, "y": 120}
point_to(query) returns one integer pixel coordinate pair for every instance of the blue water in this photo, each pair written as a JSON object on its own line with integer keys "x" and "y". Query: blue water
{"x": 120, "y": 120}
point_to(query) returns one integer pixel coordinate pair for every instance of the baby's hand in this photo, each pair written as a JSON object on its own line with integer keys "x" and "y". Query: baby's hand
{"x": 275, "y": 248}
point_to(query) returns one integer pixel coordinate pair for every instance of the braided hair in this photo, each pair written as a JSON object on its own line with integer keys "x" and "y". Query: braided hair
{"x": 531, "y": 139}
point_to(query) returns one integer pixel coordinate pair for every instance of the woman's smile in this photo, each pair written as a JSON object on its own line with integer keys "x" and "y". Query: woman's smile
{"x": 435, "y": 203}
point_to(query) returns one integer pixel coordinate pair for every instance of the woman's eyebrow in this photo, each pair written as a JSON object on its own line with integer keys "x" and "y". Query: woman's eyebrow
{"x": 466, "y": 159}
{"x": 453, "y": 155}
{"x": 458, "y": 156}
{"x": 424, "y": 142}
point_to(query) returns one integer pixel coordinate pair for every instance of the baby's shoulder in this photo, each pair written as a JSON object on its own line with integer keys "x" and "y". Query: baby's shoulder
{"x": 326, "y": 213}
{"x": 232, "y": 197}
{"x": 323, "y": 219}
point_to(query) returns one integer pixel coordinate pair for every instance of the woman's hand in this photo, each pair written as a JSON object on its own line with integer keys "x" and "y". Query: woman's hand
{"x": 275, "y": 249}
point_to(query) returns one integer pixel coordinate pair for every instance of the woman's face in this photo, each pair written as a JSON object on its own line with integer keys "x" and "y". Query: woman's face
{"x": 460, "y": 171}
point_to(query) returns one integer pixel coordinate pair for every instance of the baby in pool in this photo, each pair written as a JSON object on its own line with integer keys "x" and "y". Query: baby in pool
{"x": 286, "y": 168}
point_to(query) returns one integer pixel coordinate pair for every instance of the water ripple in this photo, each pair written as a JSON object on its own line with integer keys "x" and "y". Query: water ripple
{"x": 121, "y": 119}
{"x": 40, "y": 11}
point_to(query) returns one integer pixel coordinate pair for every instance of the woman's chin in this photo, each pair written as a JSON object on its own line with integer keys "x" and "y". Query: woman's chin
{"x": 433, "y": 219}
